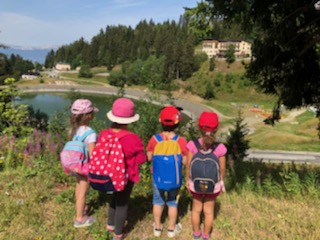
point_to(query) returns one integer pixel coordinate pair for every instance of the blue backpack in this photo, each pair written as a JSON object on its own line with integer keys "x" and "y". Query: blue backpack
{"x": 74, "y": 155}
{"x": 204, "y": 170}
{"x": 167, "y": 163}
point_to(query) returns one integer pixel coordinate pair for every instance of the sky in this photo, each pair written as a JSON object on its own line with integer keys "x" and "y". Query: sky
{"x": 52, "y": 23}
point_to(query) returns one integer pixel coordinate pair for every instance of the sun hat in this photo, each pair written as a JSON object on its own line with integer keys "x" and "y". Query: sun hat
{"x": 170, "y": 115}
{"x": 123, "y": 112}
{"x": 82, "y": 106}
{"x": 208, "y": 121}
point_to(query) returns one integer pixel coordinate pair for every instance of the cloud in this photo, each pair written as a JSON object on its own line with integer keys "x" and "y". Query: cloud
{"x": 62, "y": 22}
{"x": 127, "y": 3}
{"x": 28, "y": 31}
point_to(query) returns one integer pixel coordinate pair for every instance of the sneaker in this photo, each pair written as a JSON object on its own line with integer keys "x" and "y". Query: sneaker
{"x": 110, "y": 228}
{"x": 86, "y": 221}
{"x": 205, "y": 236}
{"x": 157, "y": 231}
{"x": 196, "y": 236}
{"x": 118, "y": 237}
{"x": 177, "y": 230}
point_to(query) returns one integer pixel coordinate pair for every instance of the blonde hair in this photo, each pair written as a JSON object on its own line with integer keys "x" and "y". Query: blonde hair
{"x": 208, "y": 139}
{"x": 77, "y": 120}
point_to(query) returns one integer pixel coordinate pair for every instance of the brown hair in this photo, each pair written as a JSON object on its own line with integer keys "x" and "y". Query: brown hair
{"x": 77, "y": 120}
{"x": 208, "y": 139}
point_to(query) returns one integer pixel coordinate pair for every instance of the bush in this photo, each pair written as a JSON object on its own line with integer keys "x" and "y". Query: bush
{"x": 85, "y": 71}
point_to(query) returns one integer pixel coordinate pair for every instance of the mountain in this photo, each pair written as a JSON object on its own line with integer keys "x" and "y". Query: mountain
{"x": 32, "y": 54}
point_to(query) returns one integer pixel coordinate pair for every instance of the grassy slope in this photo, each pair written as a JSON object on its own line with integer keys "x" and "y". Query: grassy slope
{"x": 40, "y": 204}
{"x": 299, "y": 134}
{"x": 36, "y": 206}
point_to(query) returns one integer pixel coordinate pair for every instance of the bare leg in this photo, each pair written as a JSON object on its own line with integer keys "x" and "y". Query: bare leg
{"x": 82, "y": 186}
{"x": 157, "y": 213}
{"x": 208, "y": 210}
{"x": 172, "y": 214}
{"x": 196, "y": 214}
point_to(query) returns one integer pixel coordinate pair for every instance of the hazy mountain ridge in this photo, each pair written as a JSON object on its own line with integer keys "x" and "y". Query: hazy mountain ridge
{"x": 32, "y": 54}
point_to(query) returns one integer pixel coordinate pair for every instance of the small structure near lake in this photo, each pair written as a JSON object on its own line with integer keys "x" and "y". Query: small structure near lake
{"x": 63, "y": 66}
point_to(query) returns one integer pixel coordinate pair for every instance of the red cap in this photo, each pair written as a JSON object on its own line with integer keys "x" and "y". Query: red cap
{"x": 170, "y": 115}
{"x": 208, "y": 121}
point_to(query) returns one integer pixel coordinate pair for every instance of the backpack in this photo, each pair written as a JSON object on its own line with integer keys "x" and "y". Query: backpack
{"x": 167, "y": 163}
{"x": 107, "y": 168}
{"x": 74, "y": 155}
{"x": 204, "y": 171}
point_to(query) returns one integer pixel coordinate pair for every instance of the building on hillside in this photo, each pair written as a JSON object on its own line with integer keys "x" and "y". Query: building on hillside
{"x": 218, "y": 48}
{"x": 63, "y": 66}
{"x": 31, "y": 76}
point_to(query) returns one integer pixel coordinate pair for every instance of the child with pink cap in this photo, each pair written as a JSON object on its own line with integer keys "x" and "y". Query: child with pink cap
{"x": 121, "y": 115}
{"x": 208, "y": 123}
{"x": 82, "y": 112}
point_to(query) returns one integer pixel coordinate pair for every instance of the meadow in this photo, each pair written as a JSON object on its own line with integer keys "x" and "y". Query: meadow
{"x": 263, "y": 200}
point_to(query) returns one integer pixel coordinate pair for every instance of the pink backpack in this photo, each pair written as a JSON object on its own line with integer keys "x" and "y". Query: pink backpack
{"x": 107, "y": 168}
{"x": 74, "y": 156}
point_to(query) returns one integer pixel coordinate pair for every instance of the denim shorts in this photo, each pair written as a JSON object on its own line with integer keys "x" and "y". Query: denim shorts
{"x": 161, "y": 197}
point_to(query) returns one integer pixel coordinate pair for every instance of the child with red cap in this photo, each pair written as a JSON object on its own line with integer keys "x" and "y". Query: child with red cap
{"x": 170, "y": 117}
{"x": 208, "y": 123}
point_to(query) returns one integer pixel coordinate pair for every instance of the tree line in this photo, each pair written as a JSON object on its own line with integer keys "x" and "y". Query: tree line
{"x": 151, "y": 53}
{"x": 14, "y": 66}
{"x": 170, "y": 45}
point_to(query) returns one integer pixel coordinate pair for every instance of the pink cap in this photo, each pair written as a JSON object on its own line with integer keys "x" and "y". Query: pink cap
{"x": 82, "y": 106}
{"x": 123, "y": 111}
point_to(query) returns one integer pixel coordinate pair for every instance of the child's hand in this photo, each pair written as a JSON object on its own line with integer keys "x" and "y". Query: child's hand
{"x": 188, "y": 187}
{"x": 223, "y": 188}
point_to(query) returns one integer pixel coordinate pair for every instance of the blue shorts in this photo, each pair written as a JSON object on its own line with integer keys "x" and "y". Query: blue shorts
{"x": 161, "y": 197}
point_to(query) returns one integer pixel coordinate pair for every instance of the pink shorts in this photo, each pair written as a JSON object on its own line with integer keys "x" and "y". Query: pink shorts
{"x": 200, "y": 196}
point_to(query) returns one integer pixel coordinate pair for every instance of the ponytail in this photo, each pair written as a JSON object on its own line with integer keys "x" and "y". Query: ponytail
{"x": 208, "y": 140}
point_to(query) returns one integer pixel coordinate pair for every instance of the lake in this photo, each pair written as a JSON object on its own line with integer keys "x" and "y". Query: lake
{"x": 53, "y": 102}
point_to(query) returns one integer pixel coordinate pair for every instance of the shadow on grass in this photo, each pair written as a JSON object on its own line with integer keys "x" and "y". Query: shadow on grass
{"x": 139, "y": 206}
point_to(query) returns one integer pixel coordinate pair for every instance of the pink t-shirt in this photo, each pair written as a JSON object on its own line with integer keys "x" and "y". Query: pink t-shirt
{"x": 220, "y": 150}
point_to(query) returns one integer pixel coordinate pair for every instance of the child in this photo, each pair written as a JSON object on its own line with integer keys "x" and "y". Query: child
{"x": 208, "y": 123}
{"x": 121, "y": 115}
{"x": 82, "y": 113}
{"x": 170, "y": 118}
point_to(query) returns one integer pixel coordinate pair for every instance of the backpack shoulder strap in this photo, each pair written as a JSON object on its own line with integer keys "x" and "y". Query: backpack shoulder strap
{"x": 83, "y": 136}
{"x": 215, "y": 145}
{"x": 175, "y": 137}
{"x": 158, "y": 137}
{"x": 196, "y": 143}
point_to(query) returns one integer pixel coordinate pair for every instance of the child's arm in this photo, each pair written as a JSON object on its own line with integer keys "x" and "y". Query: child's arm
{"x": 222, "y": 162}
{"x": 188, "y": 162}
{"x": 149, "y": 156}
{"x": 90, "y": 148}
{"x": 184, "y": 160}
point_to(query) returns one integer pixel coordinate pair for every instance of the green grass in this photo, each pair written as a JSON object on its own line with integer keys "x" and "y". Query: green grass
{"x": 40, "y": 205}
{"x": 300, "y": 135}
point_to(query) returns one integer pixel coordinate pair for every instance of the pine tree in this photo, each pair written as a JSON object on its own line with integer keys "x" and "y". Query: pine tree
{"x": 237, "y": 143}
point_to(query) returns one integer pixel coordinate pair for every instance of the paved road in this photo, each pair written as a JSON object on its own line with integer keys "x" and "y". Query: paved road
{"x": 284, "y": 156}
